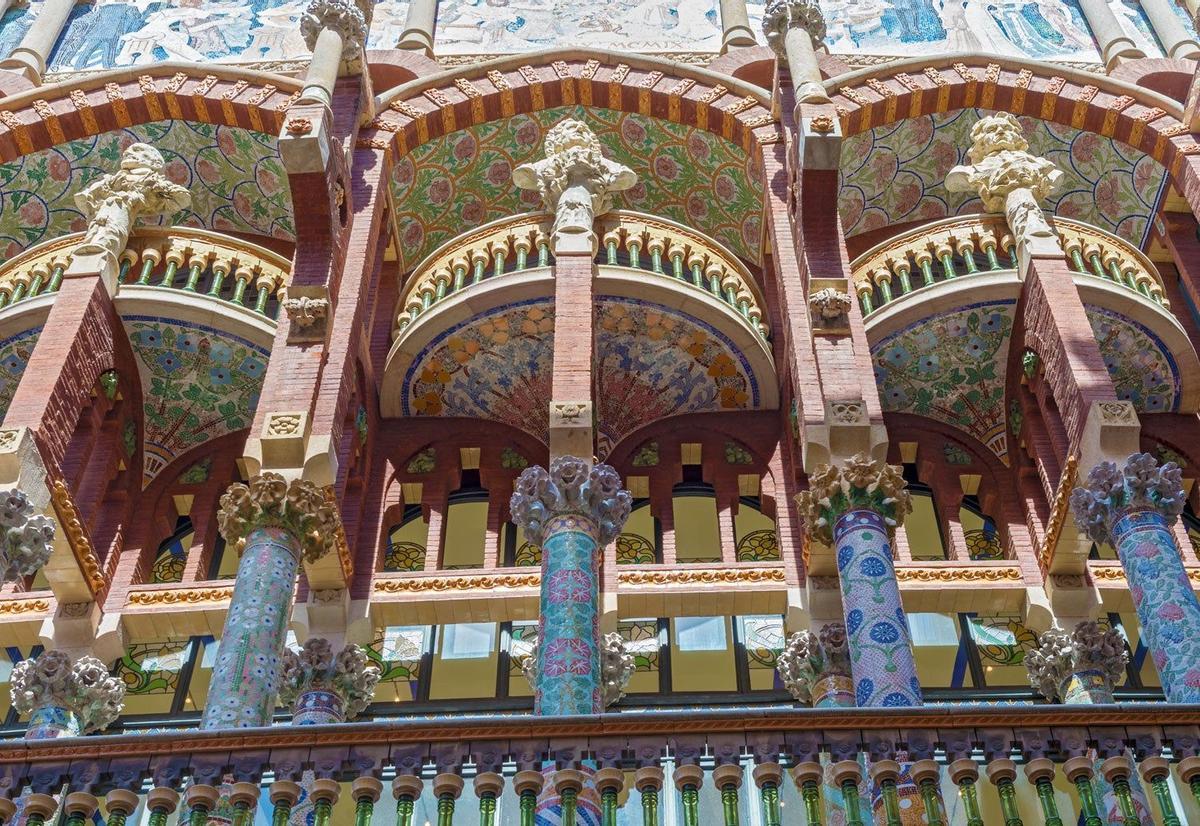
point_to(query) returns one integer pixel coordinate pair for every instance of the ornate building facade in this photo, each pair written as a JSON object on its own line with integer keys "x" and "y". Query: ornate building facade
{"x": 677, "y": 412}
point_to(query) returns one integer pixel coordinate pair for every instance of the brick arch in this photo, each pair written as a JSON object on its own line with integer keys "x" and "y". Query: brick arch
{"x": 430, "y": 107}
{"x": 1141, "y": 119}
{"x": 222, "y": 95}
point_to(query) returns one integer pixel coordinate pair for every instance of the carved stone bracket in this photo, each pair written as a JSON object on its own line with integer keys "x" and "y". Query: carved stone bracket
{"x": 349, "y": 674}
{"x": 570, "y": 486}
{"x": 830, "y": 310}
{"x": 83, "y": 687}
{"x": 308, "y": 316}
{"x": 860, "y": 483}
{"x": 616, "y": 667}
{"x": 28, "y": 538}
{"x": 1089, "y": 648}
{"x": 1110, "y": 491}
{"x": 299, "y": 507}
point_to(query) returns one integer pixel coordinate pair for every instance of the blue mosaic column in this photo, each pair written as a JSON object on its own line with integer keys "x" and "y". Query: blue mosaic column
{"x": 855, "y": 509}
{"x": 571, "y": 511}
{"x": 1133, "y": 509}
{"x": 280, "y": 523}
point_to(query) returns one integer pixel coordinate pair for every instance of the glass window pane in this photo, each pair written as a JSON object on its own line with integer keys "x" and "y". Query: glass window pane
{"x": 197, "y": 690}
{"x": 755, "y": 533}
{"x": 520, "y": 646}
{"x": 406, "y": 546}
{"x": 465, "y": 663}
{"x": 922, "y": 529}
{"x": 636, "y": 544}
{"x": 763, "y": 639}
{"x": 397, "y": 651}
{"x": 150, "y": 672}
{"x": 641, "y": 638}
{"x": 697, "y": 535}
{"x": 702, "y": 655}
{"x": 1002, "y": 642}
{"x": 466, "y": 531}
{"x": 936, "y": 648}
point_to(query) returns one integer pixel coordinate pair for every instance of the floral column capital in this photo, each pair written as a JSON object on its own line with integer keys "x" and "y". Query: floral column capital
{"x": 349, "y": 19}
{"x": 298, "y": 507}
{"x": 349, "y": 674}
{"x": 1111, "y": 491}
{"x": 1062, "y": 655}
{"x": 576, "y": 183}
{"x": 28, "y": 538}
{"x": 83, "y": 687}
{"x": 616, "y": 667}
{"x": 808, "y": 658}
{"x": 860, "y": 484}
{"x": 780, "y": 16}
{"x": 570, "y": 487}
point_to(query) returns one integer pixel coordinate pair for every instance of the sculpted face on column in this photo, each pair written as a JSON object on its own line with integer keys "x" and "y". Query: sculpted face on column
{"x": 113, "y": 203}
{"x": 28, "y": 539}
{"x": 576, "y": 182}
{"x": 1009, "y": 179}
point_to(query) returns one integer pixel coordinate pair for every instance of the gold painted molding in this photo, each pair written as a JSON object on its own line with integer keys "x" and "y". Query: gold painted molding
{"x": 1058, "y": 512}
{"x": 950, "y": 576}
{"x": 23, "y": 606}
{"x": 456, "y": 583}
{"x": 180, "y": 596}
{"x": 724, "y": 576}
{"x": 81, "y": 546}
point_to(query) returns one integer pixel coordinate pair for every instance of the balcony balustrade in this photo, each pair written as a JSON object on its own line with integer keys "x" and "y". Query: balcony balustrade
{"x": 980, "y": 244}
{"x": 180, "y": 258}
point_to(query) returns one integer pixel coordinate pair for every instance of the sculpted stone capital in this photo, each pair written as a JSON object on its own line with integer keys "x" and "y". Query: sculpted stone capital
{"x": 861, "y": 483}
{"x": 570, "y": 486}
{"x": 298, "y": 507}
{"x": 28, "y": 539}
{"x": 113, "y": 203}
{"x": 1062, "y": 654}
{"x": 829, "y": 308}
{"x": 575, "y": 180}
{"x": 83, "y": 687}
{"x": 347, "y": 18}
{"x": 1141, "y": 485}
{"x": 807, "y": 658}
{"x": 780, "y": 16}
{"x": 616, "y": 667}
{"x": 1007, "y": 177}
{"x": 348, "y": 673}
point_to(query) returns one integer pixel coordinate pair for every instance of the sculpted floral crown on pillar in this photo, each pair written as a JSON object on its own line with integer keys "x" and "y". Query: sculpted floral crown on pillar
{"x": 860, "y": 483}
{"x": 571, "y": 486}
{"x": 1141, "y": 485}
{"x": 298, "y": 507}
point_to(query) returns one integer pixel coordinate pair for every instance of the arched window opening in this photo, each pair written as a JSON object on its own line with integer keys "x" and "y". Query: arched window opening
{"x": 694, "y": 507}
{"x": 171, "y": 558}
{"x": 922, "y": 527}
{"x": 466, "y": 524}
{"x": 406, "y": 542}
{"x": 979, "y": 530}
{"x": 519, "y": 552}
{"x": 640, "y": 543}
{"x": 754, "y": 532}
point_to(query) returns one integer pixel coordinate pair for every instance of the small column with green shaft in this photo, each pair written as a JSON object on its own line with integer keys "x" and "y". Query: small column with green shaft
{"x": 609, "y": 782}
{"x": 365, "y": 792}
{"x": 1189, "y": 772}
{"x": 1157, "y": 772}
{"x": 1079, "y": 772}
{"x": 488, "y": 786}
{"x": 847, "y": 774}
{"x": 1002, "y": 772}
{"x": 406, "y": 788}
{"x": 161, "y": 802}
{"x": 1116, "y": 771}
{"x": 201, "y": 800}
{"x": 119, "y": 804}
{"x": 769, "y": 777}
{"x": 808, "y": 778}
{"x": 324, "y": 792}
{"x": 728, "y": 778}
{"x": 927, "y": 774}
{"x": 648, "y": 780}
{"x": 284, "y": 795}
{"x": 568, "y": 783}
{"x": 1040, "y": 773}
{"x": 243, "y": 797}
{"x": 528, "y": 785}
{"x": 688, "y": 780}
{"x": 39, "y": 808}
{"x": 79, "y": 808}
{"x": 886, "y": 775}
{"x": 447, "y": 786}
{"x": 964, "y": 773}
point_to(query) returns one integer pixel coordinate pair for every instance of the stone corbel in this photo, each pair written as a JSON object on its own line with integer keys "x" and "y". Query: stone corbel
{"x": 819, "y": 142}
{"x": 829, "y": 306}
{"x": 308, "y": 310}
{"x": 304, "y": 140}
{"x": 332, "y": 614}
{"x": 571, "y": 430}
{"x": 81, "y": 628}
{"x": 847, "y": 430}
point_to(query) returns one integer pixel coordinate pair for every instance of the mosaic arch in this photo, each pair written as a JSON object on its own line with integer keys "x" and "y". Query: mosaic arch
{"x": 896, "y": 173}
{"x": 651, "y": 362}
{"x": 14, "y": 358}
{"x": 1142, "y": 368}
{"x": 198, "y": 384}
{"x": 236, "y": 178}
{"x": 464, "y": 179}
{"x": 951, "y": 368}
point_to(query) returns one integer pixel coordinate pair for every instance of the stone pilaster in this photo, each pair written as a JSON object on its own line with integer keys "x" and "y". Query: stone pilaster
{"x": 856, "y": 508}
{"x": 795, "y": 29}
{"x": 571, "y": 511}
{"x": 815, "y": 667}
{"x": 65, "y": 698}
{"x": 322, "y": 686}
{"x": 1133, "y": 509}
{"x": 27, "y": 538}
{"x": 616, "y": 667}
{"x": 1081, "y": 666}
{"x": 275, "y": 524}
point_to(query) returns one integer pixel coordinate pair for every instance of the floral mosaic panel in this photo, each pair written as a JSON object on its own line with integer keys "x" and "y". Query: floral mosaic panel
{"x": 1143, "y": 370}
{"x": 111, "y": 33}
{"x": 951, "y": 368}
{"x": 486, "y": 27}
{"x": 651, "y": 362}
{"x": 896, "y": 173}
{"x": 464, "y": 179}
{"x": 198, "y": 384}
{"x": 237, "y": 181}
{"x": 14, "y": 358}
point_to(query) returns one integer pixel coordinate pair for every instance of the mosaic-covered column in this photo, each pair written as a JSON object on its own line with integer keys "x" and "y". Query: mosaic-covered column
{"x": 65, "y": 698}
{"x": 26, "y": 538}
{"x": 856, "y": 509}
{"x": 1080, "y": 667}
{"x": 276, "y": 523}
{"x": 572, "y": 512}
{"x": 1133, "y": 509}
{"x": 815, "y": 668}
{"x": 616, "y": 668}
{"x": 323, "y": 687}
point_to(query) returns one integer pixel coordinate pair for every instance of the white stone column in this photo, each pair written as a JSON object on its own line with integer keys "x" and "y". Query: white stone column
{"x": 735, "y": 25}
{"x": 30, "y": 56}
{"x": 419, "y": 27}
{"x": 1114, "y": 44}
{"x": 1178, "y": 40}
{"x": 336, "y": 32}
{"x": 794, "y": 29}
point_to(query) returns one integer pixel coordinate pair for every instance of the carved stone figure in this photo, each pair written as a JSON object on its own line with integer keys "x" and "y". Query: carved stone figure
{"x": 570, "y": 486}
{"x": 829, "y": 307}
{"x": 113, "y": 203}
{"x": 349, "y": 19}
{"x": 348, "y": 674}
{"x": 1009, "y": 179}
{"x": 576, "y": 182}
{"x": 810, "y": 664}
{"x": 298, "y": 507}
{"x": 782, "y": 17}
{"x": 305, "y": 311}
{"x": 616, "y": 667}
{"x": 83, "y": 688}
{"x": 28, "y": 539}
{"x": 1091, "y": 650}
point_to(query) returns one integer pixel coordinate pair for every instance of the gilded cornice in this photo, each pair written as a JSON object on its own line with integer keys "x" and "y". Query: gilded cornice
{"x": 727, "y": 576}
{"x": 181, "y": 596}
{"x": 1115, "y": 574}
{"x": 1058, "y": 512}
{"x": 340, "y": 544}
{"x": 958, "y": 575}
{"x": 24, "y": 606}
{"x": 482, "y": 582}
{"x": 77, "y": 538}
